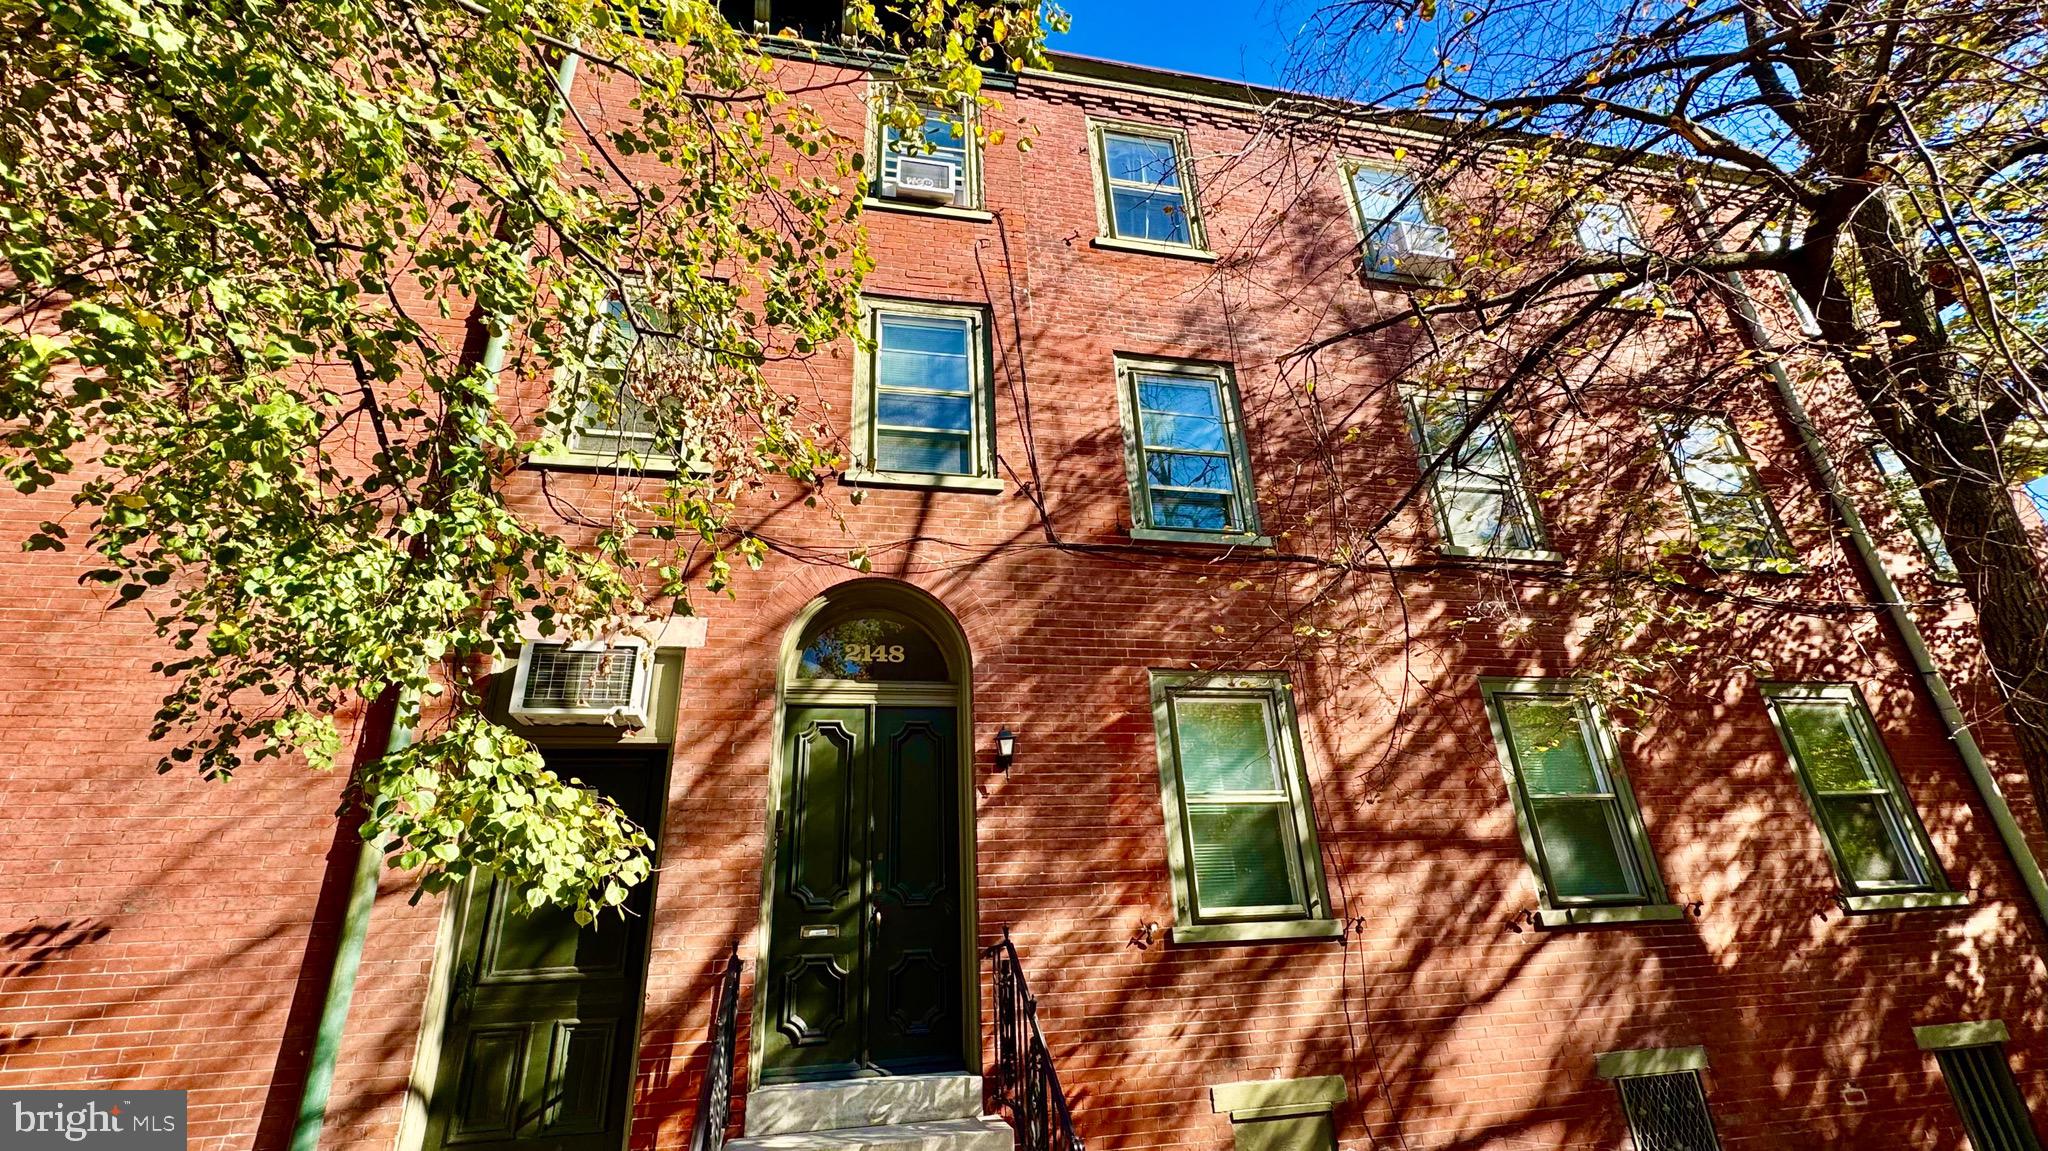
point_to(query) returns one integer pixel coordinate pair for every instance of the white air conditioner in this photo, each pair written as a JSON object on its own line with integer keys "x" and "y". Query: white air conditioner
{"x": 1420, "y": 250}
{"x": 925, "y": 178}
{"x": 591, "y": 683}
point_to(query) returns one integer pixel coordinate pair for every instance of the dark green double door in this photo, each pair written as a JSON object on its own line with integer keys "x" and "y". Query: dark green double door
{"x": 865, "y": 920}
{"x": 537, "y": 1052}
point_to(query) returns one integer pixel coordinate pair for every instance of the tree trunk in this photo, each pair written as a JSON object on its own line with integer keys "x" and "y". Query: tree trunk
{"x": 1949, "y": 430}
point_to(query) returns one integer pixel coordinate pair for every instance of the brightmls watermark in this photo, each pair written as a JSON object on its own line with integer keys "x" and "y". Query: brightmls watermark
{"x": 92, "y": 1120}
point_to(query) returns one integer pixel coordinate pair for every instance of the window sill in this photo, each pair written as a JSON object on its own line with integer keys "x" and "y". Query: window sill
{"x": 657, "y": 467}
{"x": 1565, "y": 918}
{"x": 930, "y": 481}
{"x": 1213, "y": 539}
{"x": 1758, "y": 568}
{"x": 1146, "y": 247}
{"x": 1374, "y": 278}
{"x": 942, "y": 211}
{"x": 1269, "y": 931}
{"x": 1538, "y": 556}
{"x": 1904, "y": 901}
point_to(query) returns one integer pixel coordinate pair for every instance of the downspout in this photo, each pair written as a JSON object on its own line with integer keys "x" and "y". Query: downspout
{"x": 362, "y": 894}
{"x": 1952, "y": 719}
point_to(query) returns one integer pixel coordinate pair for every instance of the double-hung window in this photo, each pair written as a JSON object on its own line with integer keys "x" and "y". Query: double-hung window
{"x": 921, "y": 397}
{"x": 1147, "y": 195}
{"x": 1479, "y": 492}
{"x": 1393, "y": 216}
{"x": 1973, "y": 1064}
{"x": 1662, "y": 1097}
{"x": 1775, "y": 237}
{"x": 935, "y": 163}
{"x": 1880, "y": 851}
{"x": 1184, "y": 438}
{"x": 1911, "y": 508}
{"x": 1580, "y": 827}
{"x": 1241, "y": 838}
{"x": 1731, "y": 517}
{"x": 621, "y": 412}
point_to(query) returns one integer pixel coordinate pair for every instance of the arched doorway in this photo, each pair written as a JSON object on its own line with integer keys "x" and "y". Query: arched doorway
{"x": 867, "y": 956}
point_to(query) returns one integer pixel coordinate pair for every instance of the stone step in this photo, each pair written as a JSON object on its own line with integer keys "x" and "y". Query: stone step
{"x": 880, "y": 1101}
{"x": 981, "y": 1133}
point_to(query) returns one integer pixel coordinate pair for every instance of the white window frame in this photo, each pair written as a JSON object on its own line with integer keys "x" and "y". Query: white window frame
{"x": 1105, "y": 205}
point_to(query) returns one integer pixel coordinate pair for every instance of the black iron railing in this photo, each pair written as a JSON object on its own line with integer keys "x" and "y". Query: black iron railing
{"x": 1026, "y": 1084}
{"x": 714, "y": 1096}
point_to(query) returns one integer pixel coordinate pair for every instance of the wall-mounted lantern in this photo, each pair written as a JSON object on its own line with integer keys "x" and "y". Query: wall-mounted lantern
{"x": 1006, "y": 749}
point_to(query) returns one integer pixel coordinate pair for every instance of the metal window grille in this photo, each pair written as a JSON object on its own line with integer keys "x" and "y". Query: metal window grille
{"x": 559, "y": 676}
{"x": 1668, "y": 1112}
{"x": 1993, "y": 1110}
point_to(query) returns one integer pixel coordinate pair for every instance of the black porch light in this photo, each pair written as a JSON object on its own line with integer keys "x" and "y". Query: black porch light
{"x": 1006, "y": 749}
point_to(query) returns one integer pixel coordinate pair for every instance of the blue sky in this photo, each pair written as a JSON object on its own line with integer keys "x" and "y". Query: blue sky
{"x": 1229, "y": 39}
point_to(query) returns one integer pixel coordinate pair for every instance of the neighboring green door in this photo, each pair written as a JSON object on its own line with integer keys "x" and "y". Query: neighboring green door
{"x": 864, "y": 927}
{"x": 538, "y": 1050}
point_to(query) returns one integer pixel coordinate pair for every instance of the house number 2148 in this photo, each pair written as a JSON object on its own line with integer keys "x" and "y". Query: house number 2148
{"x": 875, "y": 652}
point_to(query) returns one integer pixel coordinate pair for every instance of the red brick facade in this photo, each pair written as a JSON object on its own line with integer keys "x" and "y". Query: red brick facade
{"x": 161, "y": 932}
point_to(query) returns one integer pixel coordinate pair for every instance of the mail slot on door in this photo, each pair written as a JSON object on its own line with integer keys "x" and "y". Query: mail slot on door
{"x": 824, "y": 932}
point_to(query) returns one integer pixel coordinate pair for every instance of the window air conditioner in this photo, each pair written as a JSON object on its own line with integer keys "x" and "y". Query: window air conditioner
{"x": 925, "y": 178}
{"x": 1420, "y": 250}
{"x": 590, "y": 683}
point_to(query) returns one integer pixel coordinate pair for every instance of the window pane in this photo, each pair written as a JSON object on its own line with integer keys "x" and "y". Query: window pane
{"x": 1158, "y": 216}
{"x": 1485, "y": 519}
{"x": 1183, "y": 511}
{"x": 1179, "y": 396}
{"x": 1829, "y": 750}
{"x": 1912, "y": 509}
{"x": 1380, "y": 194}
{"x": 1581, "y": 842}
{"x": 1550, "y": 747}
{"x": 1606, "y": 228}
{"x": 878, "y": 645}
{"x": 941, "y": 137}
{"x": 1141, "y": 160}
{"x": 1864, "y": 838}
{"x": 942, "y": 452}
{"x": 1242, "y": 855}
{"x": 1174, "y": 470}
{"x": 1225, "y": 746}
{"x": 920, "y": 354}
{"x": 917, "y": 410}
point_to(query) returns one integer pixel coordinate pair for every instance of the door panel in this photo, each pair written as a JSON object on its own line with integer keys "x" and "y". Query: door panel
{"x": 864, "y": 932}
{"x": 536, "y": 1053}
{"x": 915, "y": 994}
{"x": 816, "y": 915}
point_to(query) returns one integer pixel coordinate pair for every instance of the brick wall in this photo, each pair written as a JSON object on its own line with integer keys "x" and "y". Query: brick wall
{"x": 168, "y": 933}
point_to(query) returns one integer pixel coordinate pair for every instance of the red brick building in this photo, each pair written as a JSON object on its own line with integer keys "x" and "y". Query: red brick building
{"x": 1292, "y": 849}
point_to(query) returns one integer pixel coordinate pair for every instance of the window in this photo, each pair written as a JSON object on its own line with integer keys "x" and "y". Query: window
{"x": 1481, "y": 496}
{"x": 1147, "y": 196}
{"x": 1973, "y": 1064}
{"x": 1912, "y": 510}
{"x": 1393, "y": 216}
{"x": 1578, "y": 818}
{"x": 616, "y": 411}
{"x": 1190, "y": 477}
{"x": 1609, "y": 228}
{"x": 1662, "y": 1097}
{"x": 1733, "y": 521}
{"x": 1241, "y": 839}
{"x": 922, "y": 397}
{"x": 1872, "y": 833}
{"x": 937, "y": 165}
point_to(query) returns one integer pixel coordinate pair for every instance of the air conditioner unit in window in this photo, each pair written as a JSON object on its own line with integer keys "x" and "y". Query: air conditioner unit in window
{"x": 600, "y": 683}
{"x": 925, "y": 178}
{"x": 1420, "y": 250}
